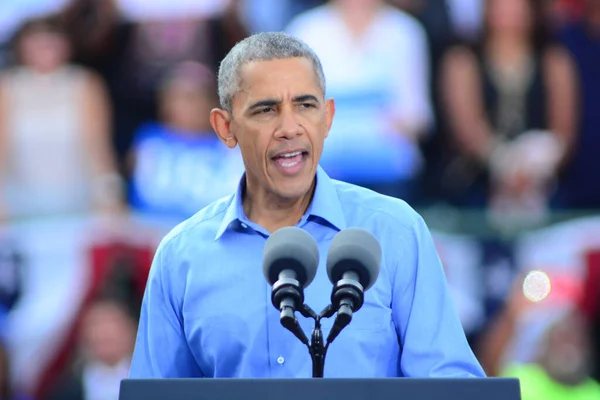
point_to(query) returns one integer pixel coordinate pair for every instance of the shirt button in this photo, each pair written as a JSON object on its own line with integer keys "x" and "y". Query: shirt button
{"x": 244, "y": 225}
{"x": 280, "y": 360}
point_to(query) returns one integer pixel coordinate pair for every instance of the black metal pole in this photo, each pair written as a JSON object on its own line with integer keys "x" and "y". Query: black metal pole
{"x": 318, "y": 366}
{"x": 317, "y": 347}
{"x": 317, "y": 350}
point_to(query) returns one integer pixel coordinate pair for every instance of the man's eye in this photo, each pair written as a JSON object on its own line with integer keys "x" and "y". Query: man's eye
{"x": 265, "y": 110}
{"x": 307, "y": 105}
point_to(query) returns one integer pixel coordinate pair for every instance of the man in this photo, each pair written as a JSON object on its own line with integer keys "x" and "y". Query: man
{"x": 207, "y": 310}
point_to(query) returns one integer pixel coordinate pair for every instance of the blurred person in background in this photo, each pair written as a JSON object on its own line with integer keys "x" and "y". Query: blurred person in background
{"x": 225, "y": 30}
{"x": 578, "y": 187}
{"x": 55, "y": 153}
{"x": 511, "y": 105}
{"x": 156, "y": 45}
{"x": 561, "y": 368}
{"x": 13, "y": 13}
{"x": 437, "y": 18}
{"x": 376, "y": 62}
{"x": 99, "y": 37}
{"x": 564, "y": 364}
{"x": 273, "y": 15}
{"x": 464, "y": 17}
{"x": 106, "y": 340}
{"x": 178, "y": 164}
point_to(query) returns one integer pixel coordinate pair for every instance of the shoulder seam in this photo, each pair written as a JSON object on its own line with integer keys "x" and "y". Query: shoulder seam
{"x": 217, "y": 213}
{"x": 414, "y": 216}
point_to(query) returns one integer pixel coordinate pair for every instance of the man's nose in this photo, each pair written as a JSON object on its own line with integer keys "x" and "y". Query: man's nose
{"x": 289, "y": 126}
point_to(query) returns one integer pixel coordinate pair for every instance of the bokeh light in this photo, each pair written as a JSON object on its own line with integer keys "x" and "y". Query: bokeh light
{"x": 536, "y": 285}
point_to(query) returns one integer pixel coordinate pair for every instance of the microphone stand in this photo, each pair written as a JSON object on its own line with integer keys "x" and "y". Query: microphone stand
{"x": 286, "y": 294}
{"x": 317, "y": 348}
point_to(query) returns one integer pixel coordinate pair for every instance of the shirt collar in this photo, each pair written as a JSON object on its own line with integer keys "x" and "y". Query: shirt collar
{"x": 324, "y": 205}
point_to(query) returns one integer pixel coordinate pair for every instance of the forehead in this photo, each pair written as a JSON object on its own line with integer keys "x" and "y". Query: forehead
{"x": 278, "y": 79}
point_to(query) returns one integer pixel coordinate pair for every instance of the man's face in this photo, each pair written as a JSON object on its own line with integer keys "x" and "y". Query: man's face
{"x": 280, "y": 121}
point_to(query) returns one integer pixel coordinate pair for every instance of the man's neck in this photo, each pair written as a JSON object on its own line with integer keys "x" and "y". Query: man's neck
{"x": 272, "y": 212}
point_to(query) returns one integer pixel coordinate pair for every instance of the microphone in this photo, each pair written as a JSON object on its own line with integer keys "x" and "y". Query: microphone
{"x": 353, "y": 264}
{"x": 290, "y": 261}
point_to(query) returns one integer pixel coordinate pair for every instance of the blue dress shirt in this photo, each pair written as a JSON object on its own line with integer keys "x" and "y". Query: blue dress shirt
{"x": 207, "y": 308}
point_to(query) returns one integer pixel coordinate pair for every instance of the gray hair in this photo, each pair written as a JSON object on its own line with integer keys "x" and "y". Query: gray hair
{"x": 263, "y": 46}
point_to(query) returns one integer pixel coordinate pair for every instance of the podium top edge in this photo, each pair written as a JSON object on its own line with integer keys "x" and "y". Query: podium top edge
{"x": 444, "y": 379}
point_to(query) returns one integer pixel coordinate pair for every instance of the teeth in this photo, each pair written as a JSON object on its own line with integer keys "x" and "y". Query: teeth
{"x": 289, "y": 155}
{"x": 289, "y": 164}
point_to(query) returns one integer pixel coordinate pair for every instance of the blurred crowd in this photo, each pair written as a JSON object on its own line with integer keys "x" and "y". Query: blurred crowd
{"x": 486, "y": 105}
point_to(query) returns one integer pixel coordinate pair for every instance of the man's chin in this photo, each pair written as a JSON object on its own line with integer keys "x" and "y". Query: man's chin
{"x": 294, "y": 188}
{"x": 293, "y": 193}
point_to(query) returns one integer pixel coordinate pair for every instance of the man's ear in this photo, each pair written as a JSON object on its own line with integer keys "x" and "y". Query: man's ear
{"x": 329, "y": 114}
{"x": 220, "y": 121}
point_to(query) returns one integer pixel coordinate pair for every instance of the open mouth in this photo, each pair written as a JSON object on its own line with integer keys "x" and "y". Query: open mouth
{"x": 291, "y": 162}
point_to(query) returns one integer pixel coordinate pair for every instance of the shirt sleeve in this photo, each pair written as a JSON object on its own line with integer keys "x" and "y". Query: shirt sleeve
{"x": 161, "y": 349}
{"x": 431, "y": 336}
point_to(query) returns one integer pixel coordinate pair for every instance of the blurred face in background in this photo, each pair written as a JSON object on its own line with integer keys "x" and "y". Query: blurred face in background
{"x": 107, "y": 334}
{"x": 566, "y": 354}
{"x": 509, "y": 17}
{"x": 43, "y": 49}
{"x": 186, "y": 102}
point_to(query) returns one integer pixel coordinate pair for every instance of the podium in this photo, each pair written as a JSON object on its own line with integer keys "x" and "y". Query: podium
{"x": 322, "y": 389}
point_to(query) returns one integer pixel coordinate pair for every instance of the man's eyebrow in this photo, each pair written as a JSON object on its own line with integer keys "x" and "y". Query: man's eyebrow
{"x": 304, "y": 98}
{"x": 265, "y": 103}
{"x": 274, "y": 102}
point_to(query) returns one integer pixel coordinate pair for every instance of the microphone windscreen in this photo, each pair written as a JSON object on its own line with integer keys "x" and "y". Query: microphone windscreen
{"x": 354, "y": 249}
{"x": 291, "y": 248}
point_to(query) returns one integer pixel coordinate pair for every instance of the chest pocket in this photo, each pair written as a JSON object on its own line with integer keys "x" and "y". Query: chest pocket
{"x": 375, "y": 315}
{"x": 371, "y": 317}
